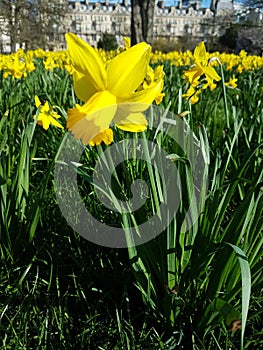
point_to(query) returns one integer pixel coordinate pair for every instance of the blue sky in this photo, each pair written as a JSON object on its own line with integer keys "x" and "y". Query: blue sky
{"x": 204, "y": 3}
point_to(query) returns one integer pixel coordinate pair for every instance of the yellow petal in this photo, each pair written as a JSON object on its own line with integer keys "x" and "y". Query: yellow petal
{"x": 95, "y": 116}
{"x": 200, "y": 52}
{"x": 45, "y": 122}
{"x": 127, "y": 70}
{"x": 211, "y": 73}
{"x": 55, "y": 123}
{"x": 194, "y": 99}
{"x": 193, "y": 74}
{"x": 127, "y": 42}
{"x": 159, "y": 98}
{"x": 105, "y": 136}
{"x": 54, "y": 114}
{"x": 37, "y": 101}
{"x": 45, "y": 108}
{"x": 134, "y": 122}
{"x": 141, "y": 100}
{"x": 83, "y": 89}
{"x": 74, "y": 116}
{"x": 190, "y": 92}
{"x": 86, "y": 61}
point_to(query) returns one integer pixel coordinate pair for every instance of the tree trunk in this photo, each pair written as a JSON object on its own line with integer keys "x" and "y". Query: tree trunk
{"x": 213, "y": 5}
{"x": 142, "y": 20}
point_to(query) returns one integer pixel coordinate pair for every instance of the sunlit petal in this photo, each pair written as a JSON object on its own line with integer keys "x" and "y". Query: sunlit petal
{"x": 105, "y": 136}
{"x": 45, "y": 108}
{"x": 45, "y": 122}
{"x": 87, "y": 121}
{"x": 127, "y": 70}
{"x": 141, "y": 100}
{"x": 193, "y": 74}
{"x": 200, "y": 52}
{"x": 37, "y": 101}
{"x": 134, "y": 122}
{"x": 127, "y": 42}
{"x": 55, "y": 123}
{"x": 211, "y": 73}
{"x": 86, "y": 61}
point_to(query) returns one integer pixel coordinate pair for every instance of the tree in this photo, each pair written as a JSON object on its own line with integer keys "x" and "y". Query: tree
{"x": 31, "y": 23}
{"x": 142, "y": 20}
{"x": 213, "y": 5}
{"x": 107, "y": 42}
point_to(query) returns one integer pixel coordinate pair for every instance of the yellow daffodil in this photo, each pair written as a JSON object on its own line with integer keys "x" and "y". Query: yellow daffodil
{"x": 192, "y": 95}
{"x": 201, "y": 66}
{"x": 201, "y": 75}
{"x": 210, "y": 84}
{"x": 46, "y": 115}
{"x": 232, "y": 82}
{"x": 127, "y": 42}
{"x": 109, "y": 91}
{"x": 151, "y": 78}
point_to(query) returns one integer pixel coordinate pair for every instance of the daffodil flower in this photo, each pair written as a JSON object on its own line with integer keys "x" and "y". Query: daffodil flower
{"x": 127, "y": 42}
{"x": 192, "y": 95}
{"x": 232, "y": 82}
{"x": 201, "y": 67}
{"x": 46, "y": 115}
{"x": 109, "y": 92}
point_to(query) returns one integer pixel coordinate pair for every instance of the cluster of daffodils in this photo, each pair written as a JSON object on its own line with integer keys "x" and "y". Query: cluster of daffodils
{"x": 117, "y": 92}
{"x": 60, "y": 59}
{"x": 116, "y": 87}
{"x": 21, "y": 63}
{"x": 201, "y": 75}
{"x": 232, "y": 62}
{"x": 17, "y": 65}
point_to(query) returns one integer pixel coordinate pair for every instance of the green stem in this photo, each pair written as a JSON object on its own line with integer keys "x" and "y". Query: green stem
{"x": 224, "y": 96}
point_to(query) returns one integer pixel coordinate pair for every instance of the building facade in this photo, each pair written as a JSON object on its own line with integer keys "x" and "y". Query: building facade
{"x": 90, "y": 20}
{"x": 187, "y": 19}
{"x": 5, "y": 44}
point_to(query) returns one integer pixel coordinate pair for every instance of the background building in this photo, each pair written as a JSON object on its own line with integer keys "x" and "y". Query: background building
{"x": 174, "y": 21}
{"x": 90, "y": 20}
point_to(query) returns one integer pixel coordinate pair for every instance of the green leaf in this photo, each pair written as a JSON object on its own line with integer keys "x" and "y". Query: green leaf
{"x": 246, "y": 287}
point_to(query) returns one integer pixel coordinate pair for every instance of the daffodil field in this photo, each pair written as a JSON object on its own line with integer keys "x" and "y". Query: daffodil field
{"x": 191, "y": 286}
